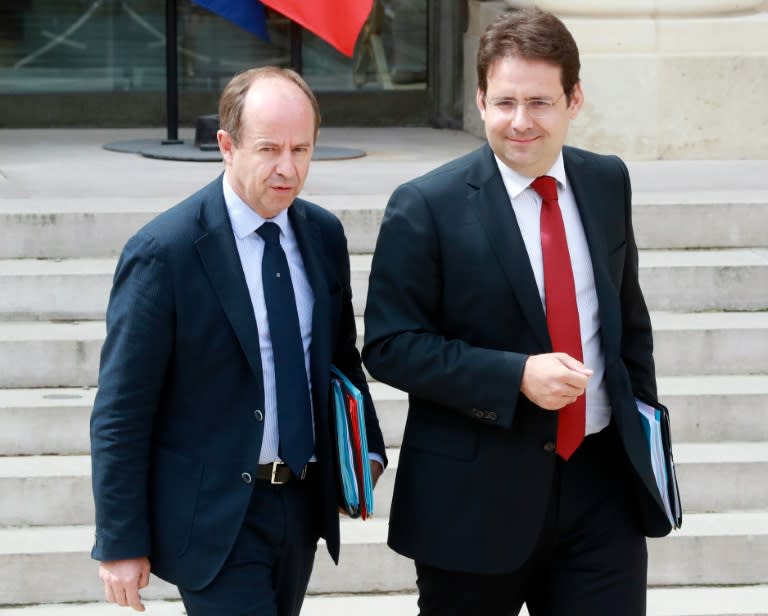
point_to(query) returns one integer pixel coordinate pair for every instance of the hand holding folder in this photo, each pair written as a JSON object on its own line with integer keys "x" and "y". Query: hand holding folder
{"x": 354, "y": 481}
{"x": 658, "y": 437}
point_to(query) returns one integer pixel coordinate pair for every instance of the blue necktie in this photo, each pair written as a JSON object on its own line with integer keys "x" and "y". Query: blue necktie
{"x": 294, "y": 418}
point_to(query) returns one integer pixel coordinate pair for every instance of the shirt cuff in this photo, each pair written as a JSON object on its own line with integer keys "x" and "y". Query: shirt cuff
{"x": 377, "y": 458}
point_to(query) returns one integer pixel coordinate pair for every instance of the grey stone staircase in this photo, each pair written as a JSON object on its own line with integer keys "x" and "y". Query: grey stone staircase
{"x": 704, "y": 269}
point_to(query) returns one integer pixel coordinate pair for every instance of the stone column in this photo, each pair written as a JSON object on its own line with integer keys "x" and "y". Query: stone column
{"x": 663, "y": 79}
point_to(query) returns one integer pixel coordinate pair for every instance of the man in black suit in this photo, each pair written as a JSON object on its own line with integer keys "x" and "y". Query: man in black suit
{"x": 508, "y": 307}
{"x": 211, "y": 440}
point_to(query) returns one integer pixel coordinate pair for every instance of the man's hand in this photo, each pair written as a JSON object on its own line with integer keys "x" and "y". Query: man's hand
{"x": 123, "y": 579}
{"x": 376, "y": 471}
{"x": 554, "y": 380}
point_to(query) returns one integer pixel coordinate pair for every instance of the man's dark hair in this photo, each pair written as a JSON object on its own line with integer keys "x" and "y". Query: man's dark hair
{"x": 530, "y": 34}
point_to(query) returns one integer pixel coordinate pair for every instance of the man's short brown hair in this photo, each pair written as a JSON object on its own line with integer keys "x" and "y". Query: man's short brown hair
{"x": 530, "y": 34}
{"x": 234, "y": 93}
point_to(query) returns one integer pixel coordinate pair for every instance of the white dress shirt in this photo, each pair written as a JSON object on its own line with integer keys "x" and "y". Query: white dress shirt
{"x": 526, "y": 204}
{"x": 250, "y": 247}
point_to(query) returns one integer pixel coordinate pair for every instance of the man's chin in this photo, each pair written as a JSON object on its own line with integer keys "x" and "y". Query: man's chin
{"x": 518, "y": 161}
{"x": 282, "y": 203}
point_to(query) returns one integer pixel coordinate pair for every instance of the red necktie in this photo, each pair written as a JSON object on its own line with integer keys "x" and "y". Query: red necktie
{"x": 562, "y": 311}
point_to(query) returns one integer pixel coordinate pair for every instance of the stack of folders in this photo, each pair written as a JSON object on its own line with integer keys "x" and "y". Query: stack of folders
{"x": 355, "y": 485}
{"x": 655, "y": 420}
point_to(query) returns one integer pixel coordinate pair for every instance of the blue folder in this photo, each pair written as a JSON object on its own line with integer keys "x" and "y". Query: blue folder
{"x": 355, "y": 489}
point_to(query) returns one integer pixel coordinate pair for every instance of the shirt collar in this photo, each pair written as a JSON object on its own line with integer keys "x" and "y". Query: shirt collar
{"x": 516, "y": 182}
{"x": 245, "y": 220}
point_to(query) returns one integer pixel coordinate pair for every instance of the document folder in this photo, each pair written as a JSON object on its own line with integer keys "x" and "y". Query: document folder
{"x": 355, "y": 484}
{"x": 655, "y": 420}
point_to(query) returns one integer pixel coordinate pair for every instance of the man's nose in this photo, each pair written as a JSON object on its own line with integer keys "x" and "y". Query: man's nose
{"x": 520, "y": 119}
{"x": 285, "y": 164}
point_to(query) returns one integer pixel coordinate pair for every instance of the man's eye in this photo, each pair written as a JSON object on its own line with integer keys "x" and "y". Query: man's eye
{"x": 537, "y": 105}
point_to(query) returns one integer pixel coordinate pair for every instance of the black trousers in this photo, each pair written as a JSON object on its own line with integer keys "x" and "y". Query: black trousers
{"x": 268, "y": 570}
{"x": 590, "y": 560}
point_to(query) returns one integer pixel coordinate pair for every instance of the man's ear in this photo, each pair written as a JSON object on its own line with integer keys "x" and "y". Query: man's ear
{"x": 226, "y": 145}
{"x": 576, "y": 101}
{"x": 480, "y": 99}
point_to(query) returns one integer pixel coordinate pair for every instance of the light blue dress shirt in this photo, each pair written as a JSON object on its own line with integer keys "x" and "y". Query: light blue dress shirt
{"x": 250, "y": 248}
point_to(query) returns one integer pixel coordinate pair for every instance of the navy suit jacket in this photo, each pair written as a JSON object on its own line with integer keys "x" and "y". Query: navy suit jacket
{"x": 453, "y": 312}
{"x": 173, "y": 427}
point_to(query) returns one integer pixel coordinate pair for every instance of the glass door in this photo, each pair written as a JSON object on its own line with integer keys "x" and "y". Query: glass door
{"x": 102, "y": 62}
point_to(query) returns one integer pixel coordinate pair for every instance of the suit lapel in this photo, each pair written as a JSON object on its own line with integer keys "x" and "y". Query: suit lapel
{"x": 218, "y": 253}
{"x": 587, "y": 186}
{"x": 490, "y": 202}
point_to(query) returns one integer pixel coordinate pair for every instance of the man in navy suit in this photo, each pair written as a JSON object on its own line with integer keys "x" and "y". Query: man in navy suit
{"x": 504, "y": 299}
{"x": 212, "y": 456}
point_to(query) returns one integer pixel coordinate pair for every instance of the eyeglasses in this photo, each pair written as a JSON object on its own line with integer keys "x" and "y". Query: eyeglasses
{"x": 535, "y": 107}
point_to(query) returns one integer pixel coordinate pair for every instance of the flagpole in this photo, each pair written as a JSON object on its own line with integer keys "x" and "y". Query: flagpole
{"x": 171, "y": 75}
{"x": 297, "y": 61}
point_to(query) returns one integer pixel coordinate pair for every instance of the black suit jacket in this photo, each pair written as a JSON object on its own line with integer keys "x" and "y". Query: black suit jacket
{"x": 453, "y": 312}
{"x": 173, "y": 427}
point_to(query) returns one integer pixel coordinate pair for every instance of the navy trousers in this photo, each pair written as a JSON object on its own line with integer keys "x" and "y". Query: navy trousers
{"x": 268, "y": 570}
{"x": 590, "y": 559}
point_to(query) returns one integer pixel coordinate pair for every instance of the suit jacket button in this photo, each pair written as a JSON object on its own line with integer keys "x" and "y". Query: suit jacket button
{"x": 549, "y": 446}
{"x": 246, "y": 477}
{"x": 477, "y": 413}
{"x": 258, "y": 414}
{"x": 490, "y": 416}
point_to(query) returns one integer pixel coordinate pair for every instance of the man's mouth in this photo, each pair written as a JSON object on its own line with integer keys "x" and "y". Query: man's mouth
{"x": 522, "y": 140}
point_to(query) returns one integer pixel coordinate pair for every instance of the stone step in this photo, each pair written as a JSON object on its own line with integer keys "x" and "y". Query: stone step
{"x": 45, "y": 421}
{"x": 51, "y": 227}
{"x": 717, "y": 407}
{"x": 50, "y": 354}
{"x": 49, "y": 289}
{"x": 45, "y": 490}
{"x": 681, "y": 280}
{"x": 710, "y": 343}
{"x": 695, "y": 280}
{"x": 695, "y": 219}
{"x": 66, "y": 354}
{"x": 56, "y": 490}
{"x": 701, "y": 280}
{"x": 721, "y": 477}
{"x": 391, "y": 409}
{"x": 48, "y": 227}
{"x": 704, "y": 409}
{"x": 685, "y": 601}
{"x": 51, "y": 564}
{"x": 662, "y": 220}
{"x": 55, "y": 420}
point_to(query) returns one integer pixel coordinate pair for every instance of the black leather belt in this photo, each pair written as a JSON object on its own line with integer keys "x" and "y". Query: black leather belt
{"x": 278, "y": 473}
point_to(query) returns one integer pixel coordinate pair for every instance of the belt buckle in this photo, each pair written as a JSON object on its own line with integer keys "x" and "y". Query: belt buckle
{"x": 273, "y": 476}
